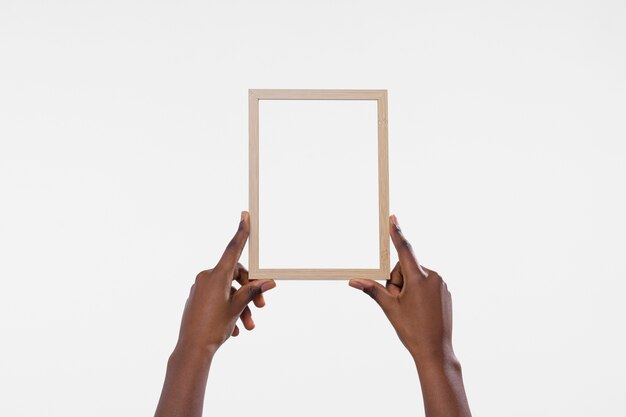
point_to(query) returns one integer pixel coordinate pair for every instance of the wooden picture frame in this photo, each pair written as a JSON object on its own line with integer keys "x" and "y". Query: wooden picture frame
{"x": 381, "y": 273}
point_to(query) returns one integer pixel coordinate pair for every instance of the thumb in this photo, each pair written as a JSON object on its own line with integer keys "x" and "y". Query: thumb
{"x": 379, "y": 293}
{"x": 248, "y": 292}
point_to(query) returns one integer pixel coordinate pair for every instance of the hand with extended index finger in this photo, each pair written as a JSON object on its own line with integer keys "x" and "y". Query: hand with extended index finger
{"x": 210, "y": 317}
{"x": 214, "y": 304}
{"x": 416, "y": 301}
{"x": 418, "y": 305}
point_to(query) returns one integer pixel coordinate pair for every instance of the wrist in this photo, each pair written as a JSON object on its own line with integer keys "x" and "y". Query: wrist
{"x": 192, "y": 355}
{"x": 443, "y": 358}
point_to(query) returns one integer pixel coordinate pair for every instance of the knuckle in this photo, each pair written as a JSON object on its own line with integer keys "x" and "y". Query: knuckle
{"x": 202, "y": 275}
{"x": 253, "y": 291}
{"x": 434, "y": 280}
{"x": 372, "y": 292}
{"x": 242, "y": 272}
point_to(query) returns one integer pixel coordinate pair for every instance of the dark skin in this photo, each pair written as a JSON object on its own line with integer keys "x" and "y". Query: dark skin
{"x": 415, "y": 300}
{"x": 418, "y": 304}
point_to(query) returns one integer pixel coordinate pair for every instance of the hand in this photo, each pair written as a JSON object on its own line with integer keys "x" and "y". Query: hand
{"x": 417, "y": 303}
{"x": 214, "y": 305}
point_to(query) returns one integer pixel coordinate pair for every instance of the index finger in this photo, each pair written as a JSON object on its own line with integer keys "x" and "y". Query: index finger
{"x": 233, "y": 251}
{"x": 407, "y": 259}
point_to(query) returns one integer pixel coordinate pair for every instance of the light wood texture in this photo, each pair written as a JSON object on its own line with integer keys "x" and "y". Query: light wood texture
{"x": 319, "y": 94}
{"x": 295, "y": 273}
{"x": 383, "y": 184}
{"x": 253, "y": 187}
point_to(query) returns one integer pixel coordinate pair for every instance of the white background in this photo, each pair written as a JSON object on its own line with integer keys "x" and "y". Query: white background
{"x": 123, "y": 169}
{"x": 318, "y": 174}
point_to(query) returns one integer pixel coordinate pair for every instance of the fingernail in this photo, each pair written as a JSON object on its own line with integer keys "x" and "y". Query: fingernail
{"x": 356, "y": 284}
{"x": 394, "y": 220}
{"x": 267, "y": 286}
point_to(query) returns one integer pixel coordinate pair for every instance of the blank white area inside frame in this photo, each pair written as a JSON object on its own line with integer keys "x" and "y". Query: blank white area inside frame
{"x": 318, "y": 184}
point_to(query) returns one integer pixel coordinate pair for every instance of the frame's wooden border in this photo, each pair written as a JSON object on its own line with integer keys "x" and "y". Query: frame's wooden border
{"x": 383, "y": 184}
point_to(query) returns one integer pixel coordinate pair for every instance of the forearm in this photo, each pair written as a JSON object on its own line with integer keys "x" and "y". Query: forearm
{"x": 442, "y": 387}
{"x": 185, "y": 383}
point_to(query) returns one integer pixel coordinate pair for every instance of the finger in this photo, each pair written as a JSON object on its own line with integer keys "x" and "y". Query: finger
{"x": 237, "y": 243}
{"x": 241, "y": 275}
{"x": 408, "y": 262}
{"x": 236, "y": 331}
{"x": 233, "y": 290}
{"x": 246, "y": 318}
{"x": 374, "y": 290}
{"x": 395, "y": 282}
{"x": 248, "y": 292}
